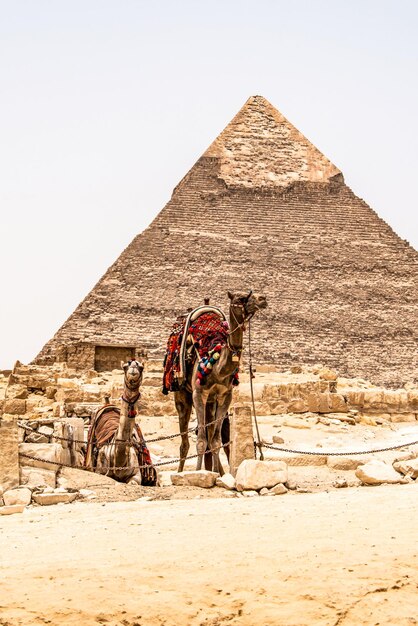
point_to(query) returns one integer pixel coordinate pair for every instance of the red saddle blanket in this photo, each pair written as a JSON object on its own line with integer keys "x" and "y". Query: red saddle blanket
{"x": 102, "y": 430}
{"x": 205, "y": 333}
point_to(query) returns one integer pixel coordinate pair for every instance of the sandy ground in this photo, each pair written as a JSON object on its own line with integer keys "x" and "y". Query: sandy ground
{"x": 346, "y": 557}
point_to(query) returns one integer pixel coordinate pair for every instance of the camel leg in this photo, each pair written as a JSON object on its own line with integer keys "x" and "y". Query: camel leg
{"x": 226, "y": 435}
{"x": 216, "y": 441}
{"x": 199, "y": 403}
{"x": 210, "y": 417}
{"x": 184, "y": 404}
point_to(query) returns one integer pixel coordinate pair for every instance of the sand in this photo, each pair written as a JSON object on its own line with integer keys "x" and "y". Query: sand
{"x": 345, "y": 557}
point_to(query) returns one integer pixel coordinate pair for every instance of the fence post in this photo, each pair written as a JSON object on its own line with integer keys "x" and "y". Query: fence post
{"x": 9, "y": 452}
{"x": 242, "y": 439}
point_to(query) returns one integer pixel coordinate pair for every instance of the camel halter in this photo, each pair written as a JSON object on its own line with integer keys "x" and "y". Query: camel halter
{"x": 237, "y": 351}
{"x": 132, "y": 401}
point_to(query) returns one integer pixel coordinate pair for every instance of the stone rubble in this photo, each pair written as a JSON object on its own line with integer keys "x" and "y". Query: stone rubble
{"x": 377, "y": 472}
{"x": 198, "y": 478}
{"x": 227, "y": 481}
{"x": 55, "y": 404}
{"x": 254, "y": 475}
{"x": 20, "y": 495}
{"x": 53, "y": 498}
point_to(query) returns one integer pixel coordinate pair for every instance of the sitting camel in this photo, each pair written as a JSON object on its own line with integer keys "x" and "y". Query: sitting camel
{"x": 115, "y": 443}
{"x": 212, "y": 399}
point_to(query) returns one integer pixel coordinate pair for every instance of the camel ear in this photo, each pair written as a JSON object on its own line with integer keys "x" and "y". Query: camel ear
{"x": 124, "y": 366}
{"x": 230, "y": 295}
{"x": 249, "y": 295}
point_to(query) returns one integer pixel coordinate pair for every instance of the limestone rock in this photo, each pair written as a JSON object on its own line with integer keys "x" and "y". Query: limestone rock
{"x": 278, "y": 490}
{"x": 367, "y": 420}
{"x": 402, "y": 417}
{"x": 17, "y": 391}
{"x": 46, "y": 430}
{"x": 227, "y": 481}
{"x": 198, "y": 478}
{"x": 408, "y": 467}
{"x": 33, "y": 477}
{"x": 21, "y": 495}
{"x": 346, "y": 463}
{"x": 79, "y": 479}
{"x": 46, "y": 451}
{"x": 301, "y": 460}
{"x": 277, "y": 439}
{"x": 50, "y": 392}
{"x": 9, "y": 458}
{"x": 298, "y": 406}
{"x": 254, "y": 474}
{"x": 296, "y": 422}
{"x": 87, "y": 493}
{"x": 249, "y": 493}
{"x": 36, "y": 437}
{"x": 241, "y": 436}
{"x": 413, "y": 399}
{"x": 15, "y": 406}
{"x": 328, "y": 374}
{"x": 53, "y": 498}
{"x": 340, "y": 483}
{"x": 376, "y": 472}
{"x": 12, "y": 508}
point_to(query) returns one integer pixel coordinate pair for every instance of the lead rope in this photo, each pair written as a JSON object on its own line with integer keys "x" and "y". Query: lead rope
{"x": 259, "y": 444}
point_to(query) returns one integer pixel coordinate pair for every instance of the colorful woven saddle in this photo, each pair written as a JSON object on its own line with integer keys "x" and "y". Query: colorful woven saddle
{"x": 202, "y": 333}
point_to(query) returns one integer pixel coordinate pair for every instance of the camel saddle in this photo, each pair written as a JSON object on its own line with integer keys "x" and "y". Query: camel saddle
{"x": 189, "y": 340}
{"x": 104, "y": 425}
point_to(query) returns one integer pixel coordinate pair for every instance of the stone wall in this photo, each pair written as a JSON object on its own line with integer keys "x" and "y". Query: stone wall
{"x": 9, "y": 453}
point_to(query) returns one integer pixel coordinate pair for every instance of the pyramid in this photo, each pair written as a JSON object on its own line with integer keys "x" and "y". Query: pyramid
{"x": 261, "y": 209}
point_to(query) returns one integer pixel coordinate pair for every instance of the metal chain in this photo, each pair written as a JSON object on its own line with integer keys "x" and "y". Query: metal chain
{"x": 324, "y": 453}
{"x": 136, "y": 467}
{"x": 163, "y": 438}
{"x": 265, "y": 445}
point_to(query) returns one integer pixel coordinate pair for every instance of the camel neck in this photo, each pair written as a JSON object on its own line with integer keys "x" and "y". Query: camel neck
{"x": 126, "y": 427}
{"x": 236, "y": 334}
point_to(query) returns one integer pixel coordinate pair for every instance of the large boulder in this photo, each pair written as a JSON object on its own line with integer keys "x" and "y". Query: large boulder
{"x": 198, "y": 478}
{"x": 52, "y": 454}
{"x": 376, "y": 472}
{"x": 254, "y": 474}
{"x": 72, "y": 478}
{"x": 33, "y": 477}
{"x": 21, "y": 495}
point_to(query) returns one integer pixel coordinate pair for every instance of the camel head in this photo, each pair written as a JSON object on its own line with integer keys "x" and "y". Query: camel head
{"x": 246, "y": 303}
{"x": 133, "y": 373}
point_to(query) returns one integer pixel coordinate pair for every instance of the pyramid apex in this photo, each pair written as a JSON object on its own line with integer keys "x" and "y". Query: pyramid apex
{"x": 261, "y": 148}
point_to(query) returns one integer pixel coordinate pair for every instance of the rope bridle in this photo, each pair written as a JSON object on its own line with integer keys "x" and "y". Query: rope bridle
{"x": 132, "y": 387}
{"x": 240, "y": 325}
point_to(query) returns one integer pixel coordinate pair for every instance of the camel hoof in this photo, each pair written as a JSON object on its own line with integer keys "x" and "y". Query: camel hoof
{"x": 136, "y": 479}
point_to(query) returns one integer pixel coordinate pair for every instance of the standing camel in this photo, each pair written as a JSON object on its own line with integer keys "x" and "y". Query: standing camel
{"x": 212, "y": 399}
{"x": 114, "y": 435}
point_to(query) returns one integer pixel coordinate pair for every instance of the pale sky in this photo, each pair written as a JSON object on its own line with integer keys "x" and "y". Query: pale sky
{"x": 105, "y": 105}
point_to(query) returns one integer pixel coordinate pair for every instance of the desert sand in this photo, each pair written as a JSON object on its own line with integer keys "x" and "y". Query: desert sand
{"x": 343, "y": 557}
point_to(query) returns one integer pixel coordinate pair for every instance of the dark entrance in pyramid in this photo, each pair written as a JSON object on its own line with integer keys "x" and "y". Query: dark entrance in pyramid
{"x": 262, "y": 209}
